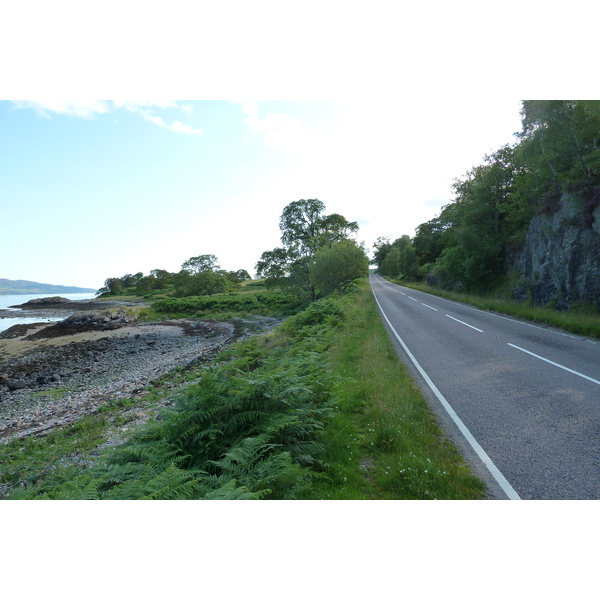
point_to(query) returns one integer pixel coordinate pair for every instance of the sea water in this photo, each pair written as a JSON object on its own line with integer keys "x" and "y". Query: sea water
{"x": 20, "y": 315}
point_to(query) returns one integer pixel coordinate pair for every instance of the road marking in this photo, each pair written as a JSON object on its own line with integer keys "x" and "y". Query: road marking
{"x": 487, "y": 461}
{"x": 471, "y": 326}
{"x": 427, "y": 305}
{"x": 488, "y": 312}
{"x": 556, "y": 364}
{"x": 413, "y": 298}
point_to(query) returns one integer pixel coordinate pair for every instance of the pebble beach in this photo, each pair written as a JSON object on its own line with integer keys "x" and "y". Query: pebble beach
{"x": 52, "y": 375}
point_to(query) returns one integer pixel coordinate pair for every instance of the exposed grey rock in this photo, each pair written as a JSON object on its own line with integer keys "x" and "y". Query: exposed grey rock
{"x": 37, "y": 302}
{"x": 87, "y": 321}
{"x": 94, "y": 372}
{"x": 560, "y": 261}
{"x": 16, "y": 384}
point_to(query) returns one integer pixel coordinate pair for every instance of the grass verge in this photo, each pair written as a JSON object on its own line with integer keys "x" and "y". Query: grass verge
{"x": 581, "y": 320}
{"x": 382, "y": 440}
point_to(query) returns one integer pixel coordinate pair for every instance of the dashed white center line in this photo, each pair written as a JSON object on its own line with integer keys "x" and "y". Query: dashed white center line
{"x": 556, "y": 364}
{"x": 471, "y": 326}
{"x": 413, "y": 298}
{"x": 427, "y": 305}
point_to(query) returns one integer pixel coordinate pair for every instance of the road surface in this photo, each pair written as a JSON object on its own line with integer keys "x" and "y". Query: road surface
{"x": 521, "y": 401}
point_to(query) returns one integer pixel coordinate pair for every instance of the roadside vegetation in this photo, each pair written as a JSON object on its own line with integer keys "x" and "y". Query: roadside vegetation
{"x": 319, "y": 408}
{"x": 579, "y": 319}
{"x": 471, "y": 246}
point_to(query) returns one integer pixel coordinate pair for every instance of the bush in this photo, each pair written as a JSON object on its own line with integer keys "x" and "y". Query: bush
{"x": 260, "y": 303}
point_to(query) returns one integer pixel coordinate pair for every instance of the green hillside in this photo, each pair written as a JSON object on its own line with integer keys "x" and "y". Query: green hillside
{"x": 20, "y": 286}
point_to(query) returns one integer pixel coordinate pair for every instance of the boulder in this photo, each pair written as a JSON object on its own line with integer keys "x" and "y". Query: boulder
{"x": 16, "y": 384}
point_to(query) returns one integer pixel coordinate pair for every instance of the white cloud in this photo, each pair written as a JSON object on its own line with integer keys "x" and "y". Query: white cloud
{"x": 140, "y": 105}
{"x": 85, "y": 109}
{"x": 153, "y": 119}
{"x": 179, "y": 127}
{"x": 89, "y": 109}
{"x": 283, "y": 132}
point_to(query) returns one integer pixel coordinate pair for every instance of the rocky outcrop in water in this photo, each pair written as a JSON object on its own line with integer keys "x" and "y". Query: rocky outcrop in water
{"x": 87, "y": 321}
{"x": 560, "y": 261}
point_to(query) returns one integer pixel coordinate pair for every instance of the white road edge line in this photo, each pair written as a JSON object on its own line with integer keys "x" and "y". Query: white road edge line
{"x": 556, "y": 364}
{"x": 487, "y": 312}
{"x": 487, "y": 461}
{"x": 471, "y": 326}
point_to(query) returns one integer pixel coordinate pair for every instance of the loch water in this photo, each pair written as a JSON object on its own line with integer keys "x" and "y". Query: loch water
{"x": 19, "y": 316}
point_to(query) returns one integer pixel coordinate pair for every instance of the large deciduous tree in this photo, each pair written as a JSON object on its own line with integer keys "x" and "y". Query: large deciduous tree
{"x": 304, "y": 230}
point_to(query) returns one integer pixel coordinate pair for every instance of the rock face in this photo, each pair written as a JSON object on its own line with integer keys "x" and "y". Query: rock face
{"x": 560, "y": 261}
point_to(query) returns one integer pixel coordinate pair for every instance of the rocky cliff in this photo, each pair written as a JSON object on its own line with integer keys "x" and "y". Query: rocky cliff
{"x": 560, "y": 261}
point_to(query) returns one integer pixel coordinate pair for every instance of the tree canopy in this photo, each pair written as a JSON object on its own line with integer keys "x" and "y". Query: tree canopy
{"x": 305, "y": 230}
{"x": 556, "y": 156}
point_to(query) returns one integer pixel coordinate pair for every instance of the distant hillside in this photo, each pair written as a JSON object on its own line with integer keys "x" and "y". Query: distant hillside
{"x": 9, "y": 286}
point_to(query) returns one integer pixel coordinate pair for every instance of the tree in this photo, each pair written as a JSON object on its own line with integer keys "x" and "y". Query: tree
{"x": 200, "y": 276}
{"x": 236, "y": 277}
{"x": 162, "y": 278}
{"x": 304, "y": 229}
{"x": 335, "y": 267}
{"x": 113, "y": 285}
{"x": 397, "y": 259}
{"x": 382, "y": 246}
{"x": 201, "y": 264}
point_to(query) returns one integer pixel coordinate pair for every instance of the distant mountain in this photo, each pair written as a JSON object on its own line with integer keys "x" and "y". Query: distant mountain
{"x": 9, "y": 286}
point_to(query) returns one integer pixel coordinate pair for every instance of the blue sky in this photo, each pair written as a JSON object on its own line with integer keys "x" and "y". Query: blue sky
{"x": 374, "y": 110}
{"x": 97, "y": 189}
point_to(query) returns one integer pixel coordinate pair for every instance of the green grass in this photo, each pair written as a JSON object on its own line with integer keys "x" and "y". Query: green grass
{"x": 337, "y": 414}
{"x": 47, "y": 462}
{"x": 383, "y": 441}
{"x": 581, "y": 320}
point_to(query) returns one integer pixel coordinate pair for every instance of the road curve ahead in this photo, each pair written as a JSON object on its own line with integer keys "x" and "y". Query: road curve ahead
{"x": 522, "y": 401}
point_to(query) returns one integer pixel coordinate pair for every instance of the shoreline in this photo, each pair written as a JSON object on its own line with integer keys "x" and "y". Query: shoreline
{"x": 30, "y": 310}
{"x": 67, "y": 377}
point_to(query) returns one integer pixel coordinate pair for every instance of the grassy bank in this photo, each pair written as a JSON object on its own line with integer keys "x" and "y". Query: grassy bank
{"x": 319, "y": 408}
{"x": 581, "y": 320}
{"x": 382, "y": 440}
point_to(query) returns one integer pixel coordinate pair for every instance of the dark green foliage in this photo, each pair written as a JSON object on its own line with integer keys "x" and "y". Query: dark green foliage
{"x": 250, "y": 429}
{"x": 397, "y": 259}
{"x": 260, "y": 303}
{"x": 473, "y": 239}
{"x": 199, "y": 275}
{"x": 304, "y": 230}
{"x": 335, "y": 267}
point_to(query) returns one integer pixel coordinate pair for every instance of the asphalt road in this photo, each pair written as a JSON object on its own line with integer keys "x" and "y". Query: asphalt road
{"x": 521, "y": 401}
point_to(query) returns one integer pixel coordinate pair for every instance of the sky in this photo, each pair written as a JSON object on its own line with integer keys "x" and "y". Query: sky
{"x": 98, "y": 189}
{"x": 374, "y": 111}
